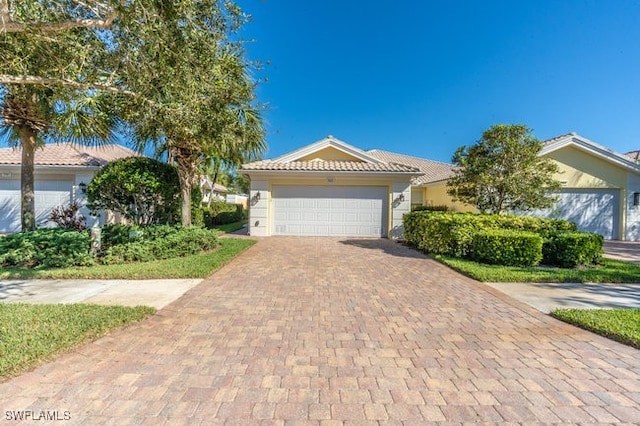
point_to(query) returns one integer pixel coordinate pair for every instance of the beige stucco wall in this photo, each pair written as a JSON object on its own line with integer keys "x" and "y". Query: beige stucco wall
{"x": 329, "y": 154}
{"x": 583, "y": 170}
{"x": 436, "y": 195}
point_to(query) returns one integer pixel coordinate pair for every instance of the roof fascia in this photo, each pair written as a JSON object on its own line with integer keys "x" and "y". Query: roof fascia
{"x": 591, "y": 147}
{"x": 329, "y": 141}
{"x": 319, "y": 173}
{"x": 54, "y": 167}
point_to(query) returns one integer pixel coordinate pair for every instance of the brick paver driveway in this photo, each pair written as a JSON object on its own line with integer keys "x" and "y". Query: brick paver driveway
{"x": 326, "y": 331}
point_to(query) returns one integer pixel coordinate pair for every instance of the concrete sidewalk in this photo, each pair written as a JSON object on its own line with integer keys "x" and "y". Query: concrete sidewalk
{"x": 155, "y": 293}
{"x": 546, "y": 297}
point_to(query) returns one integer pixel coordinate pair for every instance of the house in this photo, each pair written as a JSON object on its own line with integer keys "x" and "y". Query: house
{"x": 332, "y": 188}
{"x": 212, "y": 191}
{"x": 62, "y": 172}
{"x": 329, "y": 188}
{"x": 601, "y": 188}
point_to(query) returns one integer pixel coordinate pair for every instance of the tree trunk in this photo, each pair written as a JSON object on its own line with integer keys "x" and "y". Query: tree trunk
{"x": 185, "y": 190}
{"x": 27, "y": 193}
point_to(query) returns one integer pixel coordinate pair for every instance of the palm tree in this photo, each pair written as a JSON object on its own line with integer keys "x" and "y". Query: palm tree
{"x": 32, "y": 115}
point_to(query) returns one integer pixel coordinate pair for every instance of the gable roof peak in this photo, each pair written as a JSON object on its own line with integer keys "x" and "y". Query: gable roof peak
{"x": 329, "y": 141}
{"x": 590, "y": 146}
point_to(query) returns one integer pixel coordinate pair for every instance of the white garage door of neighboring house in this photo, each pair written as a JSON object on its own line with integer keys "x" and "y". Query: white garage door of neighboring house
{"x": 353, "y": 211}
{"x": 593, "y": 210}
{"x": 48, "y": 195}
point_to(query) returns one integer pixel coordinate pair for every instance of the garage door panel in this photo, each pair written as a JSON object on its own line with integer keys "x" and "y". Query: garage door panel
{"x": 47, "y": 196}
{"x": 330, "y": 211}
{"x": 592, "y": 210}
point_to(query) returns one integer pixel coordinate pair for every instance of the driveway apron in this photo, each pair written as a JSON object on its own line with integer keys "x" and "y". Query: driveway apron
{"x": 332, "y": 331}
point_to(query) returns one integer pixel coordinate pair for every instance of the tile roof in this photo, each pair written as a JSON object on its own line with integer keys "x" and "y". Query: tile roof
{"x": 330, "y": 166}
{"x": 634, "y": 155}
{"x": 548, "y": 141}
{"x": 68, "y": 154}
{"x": 434, "y": 171}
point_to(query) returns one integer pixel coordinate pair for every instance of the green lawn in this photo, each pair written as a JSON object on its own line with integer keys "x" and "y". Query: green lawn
{"x": 622, "y": 325}
{"x": 610, "y": 271}
{"x": 196, "y": 266}
{"x": 33, "y": 334}
{"x": 230, "y": 227}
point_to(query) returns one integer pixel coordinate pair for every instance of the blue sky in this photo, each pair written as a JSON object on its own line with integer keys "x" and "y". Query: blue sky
{"x": 423, "y": 77}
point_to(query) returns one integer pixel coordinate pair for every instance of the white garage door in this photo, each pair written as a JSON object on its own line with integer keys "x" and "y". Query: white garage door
{"x": 354, "y": 211}
{"x": 48, "y": 195}
{"x": 593, "y": 210}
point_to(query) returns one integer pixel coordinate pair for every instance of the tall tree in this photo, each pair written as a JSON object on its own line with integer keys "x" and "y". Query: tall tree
{"x": 504, "y": 172}
{"x": 34, "y": 105}
{"x": 178, "y": 77}
{"x": 207, "y": 101}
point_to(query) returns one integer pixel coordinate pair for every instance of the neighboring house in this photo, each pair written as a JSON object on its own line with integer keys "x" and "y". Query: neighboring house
{"x": 601, "y": 188}
{"x": 62, "y": 172}
{"x": 329, "y": 188}
{"x": 212, "y": 191}
{"x": 332, "y": 188}
{"x": 240, "y": 199}
{"x": 634, "y": 155}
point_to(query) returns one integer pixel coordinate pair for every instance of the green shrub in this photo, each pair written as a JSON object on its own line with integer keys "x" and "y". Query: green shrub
{"x": 162, "y": 243}
{"x": 451, "y": 233}
{"x": 571, "y": 249}
{"x": 221, "y": 213}
{"x": 50, "y": 248}
{"x": 114, "y": 234}
{"x": 507, "y": 247}
{"x": 143, "y": 190}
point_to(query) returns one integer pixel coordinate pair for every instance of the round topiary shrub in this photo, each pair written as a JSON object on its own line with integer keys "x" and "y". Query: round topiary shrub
{"x": 143, "y": 190}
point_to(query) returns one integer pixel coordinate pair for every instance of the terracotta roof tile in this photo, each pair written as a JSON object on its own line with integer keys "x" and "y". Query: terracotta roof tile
{"x": 634, "y": 155}
{"x": 67, "y": 154}
{"x": 434, "y": 171}
{"x": 548, "y": 141}
{"x": 330, "y": 166}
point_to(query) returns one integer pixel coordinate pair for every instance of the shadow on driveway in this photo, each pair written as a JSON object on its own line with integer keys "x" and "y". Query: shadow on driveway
{"x": 387, "y": 246}
{"x": 629, "y": 251}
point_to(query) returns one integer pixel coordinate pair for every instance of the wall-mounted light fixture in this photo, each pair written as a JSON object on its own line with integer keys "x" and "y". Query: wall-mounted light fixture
{"x": 400, "y": 197}
{"x": 82, "y": 187}
{"x": 255, "y": 198}
{"x": 636, "y": 199}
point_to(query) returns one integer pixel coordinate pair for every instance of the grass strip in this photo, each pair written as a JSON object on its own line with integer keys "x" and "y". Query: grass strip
{"x": 609, "y": 271}
{"x": 33, "y": 334}
{"x": 622, "y": 325}
{"x": 195, "y": 266}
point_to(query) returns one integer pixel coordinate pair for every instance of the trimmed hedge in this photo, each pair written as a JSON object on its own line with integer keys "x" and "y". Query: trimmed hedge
{"x": 452, "y": 233}
{"x": 507, "y": 247}
{"x": 571, "y": 249}
{"x": 50, "y": 248}
{"x": 439, "y": 208}
{"x": 163, "y": 242}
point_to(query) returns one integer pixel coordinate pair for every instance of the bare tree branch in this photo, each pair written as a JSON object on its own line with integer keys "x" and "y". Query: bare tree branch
{"x": 7, "y": 24}
{"x": 48, "y": 81}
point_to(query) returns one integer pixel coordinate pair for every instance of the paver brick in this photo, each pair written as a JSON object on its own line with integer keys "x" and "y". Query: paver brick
{"x": 335, "y": 331}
